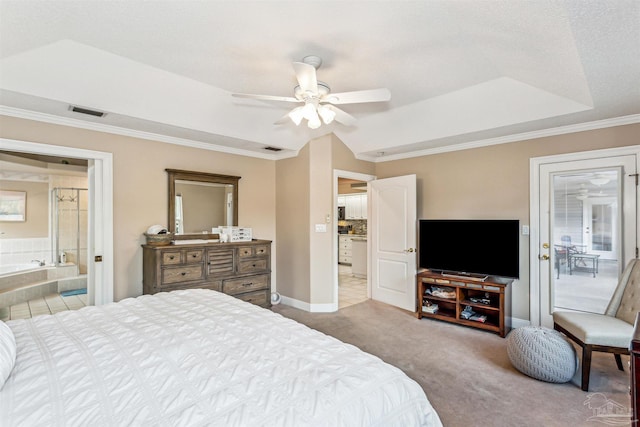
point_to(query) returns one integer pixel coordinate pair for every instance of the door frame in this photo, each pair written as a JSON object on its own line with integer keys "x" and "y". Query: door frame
{"x": 100, "y": 211}
{"x": 337, "y": 173}
{"x": 534, "y": 196}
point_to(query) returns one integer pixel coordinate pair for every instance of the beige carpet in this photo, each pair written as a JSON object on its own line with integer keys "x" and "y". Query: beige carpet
{"x": 466, "y": 373}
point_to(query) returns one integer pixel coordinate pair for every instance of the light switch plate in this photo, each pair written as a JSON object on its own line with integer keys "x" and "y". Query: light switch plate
{"x": 525, "y": 230}
{"x": 321, "y": 228}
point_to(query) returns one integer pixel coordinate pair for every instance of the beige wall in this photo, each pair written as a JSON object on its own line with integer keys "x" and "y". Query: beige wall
{"x": 321, "y": 206}
{"x": 292, "y": 225}
{"x": 479, "y": 183}
{"x": 342, "y": 158}
{"x": 493, "y": 182}
{"x": 37, "y": 211}
{"x": 304, "y": 199}
{"x": 140, "y": 187}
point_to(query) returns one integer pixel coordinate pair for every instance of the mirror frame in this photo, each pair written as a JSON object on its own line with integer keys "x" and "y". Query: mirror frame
{"x": 182, "y": 175}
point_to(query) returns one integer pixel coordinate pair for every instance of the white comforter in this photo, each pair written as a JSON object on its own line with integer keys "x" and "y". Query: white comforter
{"x": 196, "y": 358}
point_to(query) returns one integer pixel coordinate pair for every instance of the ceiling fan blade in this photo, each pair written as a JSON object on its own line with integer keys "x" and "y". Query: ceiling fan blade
{"x": 342, "y": 116}
{"x": 359, "y": 96}
{"x": 306, "y": 75}
{"x": 265, "y": 97}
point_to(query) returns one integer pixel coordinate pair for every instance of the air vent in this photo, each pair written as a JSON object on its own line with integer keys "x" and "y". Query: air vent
{"x": 273, "y": 148}
{"x": 86, "y": 111}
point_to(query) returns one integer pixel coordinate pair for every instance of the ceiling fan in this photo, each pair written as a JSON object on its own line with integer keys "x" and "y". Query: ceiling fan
{"x": 319, "y": 102}
{"x": 583, "y": 194}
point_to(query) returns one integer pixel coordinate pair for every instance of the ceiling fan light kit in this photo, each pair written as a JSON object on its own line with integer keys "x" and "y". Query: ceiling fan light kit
{"x": 318, "y": 99}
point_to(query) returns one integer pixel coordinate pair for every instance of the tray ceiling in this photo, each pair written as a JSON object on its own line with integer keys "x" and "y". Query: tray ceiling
{"x": 461, "y": 73}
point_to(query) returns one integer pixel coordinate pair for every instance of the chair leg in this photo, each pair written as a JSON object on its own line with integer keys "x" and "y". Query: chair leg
{"x": 586, "y": 366}
{"x": 618, "y": 361}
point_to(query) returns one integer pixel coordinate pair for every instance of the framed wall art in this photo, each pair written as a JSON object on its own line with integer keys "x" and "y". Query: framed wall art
{"x": 13, "y": 205}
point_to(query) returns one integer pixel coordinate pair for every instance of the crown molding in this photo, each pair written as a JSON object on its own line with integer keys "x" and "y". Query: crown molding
{"x": 100, "y": 127}
{"x": 561, "y": 130}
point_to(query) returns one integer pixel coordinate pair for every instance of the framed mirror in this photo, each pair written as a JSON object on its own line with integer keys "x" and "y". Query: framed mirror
{"x": 200, "y": 201}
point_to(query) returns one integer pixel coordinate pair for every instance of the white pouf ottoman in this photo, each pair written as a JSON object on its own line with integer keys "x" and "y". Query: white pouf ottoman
{"x": 542, "y": 353}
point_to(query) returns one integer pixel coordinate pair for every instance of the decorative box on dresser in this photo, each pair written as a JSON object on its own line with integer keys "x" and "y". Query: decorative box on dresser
{"x": 240, "y": 269}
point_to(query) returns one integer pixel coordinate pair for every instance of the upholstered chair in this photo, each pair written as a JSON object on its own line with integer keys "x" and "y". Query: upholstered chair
{"x": 610, "y": 332}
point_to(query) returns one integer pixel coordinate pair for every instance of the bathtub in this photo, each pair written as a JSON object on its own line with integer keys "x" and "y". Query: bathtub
{"x": 20, "y": 268}
{"x": 22, "y": 282}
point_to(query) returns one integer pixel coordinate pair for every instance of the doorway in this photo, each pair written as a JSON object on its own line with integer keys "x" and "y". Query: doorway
{"x": 584, "y": 229}
{"x": 100, "y": 212}
{"x": 351, "y": 262}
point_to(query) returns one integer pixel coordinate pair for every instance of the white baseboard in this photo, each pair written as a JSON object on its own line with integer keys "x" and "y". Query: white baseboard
{"x": 518, "y": 323}
{"x": 311, "y": 308}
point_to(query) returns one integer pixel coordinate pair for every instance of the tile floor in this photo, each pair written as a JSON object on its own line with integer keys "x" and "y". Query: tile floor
{"x": 49, "y": 304}
{"x": 351, "y": 290}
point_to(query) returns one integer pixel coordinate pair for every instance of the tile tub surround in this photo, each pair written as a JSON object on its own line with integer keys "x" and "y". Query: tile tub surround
{"x": 23, "y": 251}
{"x": 21, "y": 287}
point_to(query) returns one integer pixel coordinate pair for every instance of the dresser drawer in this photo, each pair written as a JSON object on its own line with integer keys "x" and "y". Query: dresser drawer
{"x": 194, "y": 255}
{"x": 171, "y": 275}
{"x": 257, "y": 298}
{"x": 344, "y": 259}
{"x": 171, "y": 257}
{"x": 247, "y": 251}
{"x": 251, "y": 265}
{"x": 245, "y": 284}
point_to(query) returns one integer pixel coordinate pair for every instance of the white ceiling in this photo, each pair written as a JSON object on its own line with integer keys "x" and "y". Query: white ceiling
{"x": 461, "y": 73}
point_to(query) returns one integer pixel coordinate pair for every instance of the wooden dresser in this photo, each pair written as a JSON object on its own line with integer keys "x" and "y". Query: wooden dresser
{"x": 240, "y": 269}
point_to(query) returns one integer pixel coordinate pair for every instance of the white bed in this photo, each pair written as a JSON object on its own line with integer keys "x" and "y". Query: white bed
{"x": 195, "y": 358}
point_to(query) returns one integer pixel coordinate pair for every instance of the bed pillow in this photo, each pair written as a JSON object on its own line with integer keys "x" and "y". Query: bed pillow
{"x": 7, "y": 352}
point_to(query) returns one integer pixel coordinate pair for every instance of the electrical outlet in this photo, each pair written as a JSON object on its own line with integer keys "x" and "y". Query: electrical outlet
{"x": 525, "y": 230}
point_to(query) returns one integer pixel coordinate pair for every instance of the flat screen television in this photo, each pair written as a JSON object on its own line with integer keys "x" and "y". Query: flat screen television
{"x": 470, "y": 247}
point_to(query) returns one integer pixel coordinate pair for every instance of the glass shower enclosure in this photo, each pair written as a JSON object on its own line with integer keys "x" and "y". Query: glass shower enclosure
{"x": 69, "y": 227}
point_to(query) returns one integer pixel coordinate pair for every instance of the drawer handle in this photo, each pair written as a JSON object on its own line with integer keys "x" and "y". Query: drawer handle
{"x": 195, "y": 255}
{"x": 184, "y": 273}
{"x": 247, "y": 284}
{"x": 253, "y": 265}
{"x": 171, "y": 257}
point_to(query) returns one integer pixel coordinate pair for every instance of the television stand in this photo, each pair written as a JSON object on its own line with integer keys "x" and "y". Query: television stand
{"x": 475, "y": 278}
{"x": 488, "y": 299}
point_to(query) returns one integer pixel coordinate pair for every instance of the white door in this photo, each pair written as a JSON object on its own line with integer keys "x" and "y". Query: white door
{"x": 392, "y": 233}
{"x": 587, "y": 225}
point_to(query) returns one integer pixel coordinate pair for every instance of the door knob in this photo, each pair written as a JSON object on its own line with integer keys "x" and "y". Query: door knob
{"x": 544, "y": 257}
{"x": 409, "y": 250}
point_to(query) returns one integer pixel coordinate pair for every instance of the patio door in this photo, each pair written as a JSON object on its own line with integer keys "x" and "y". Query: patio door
{"x": 587, "y": 232}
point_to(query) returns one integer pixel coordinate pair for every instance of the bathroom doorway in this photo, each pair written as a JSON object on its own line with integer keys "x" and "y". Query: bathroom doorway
{"x": 100, "y": 211}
